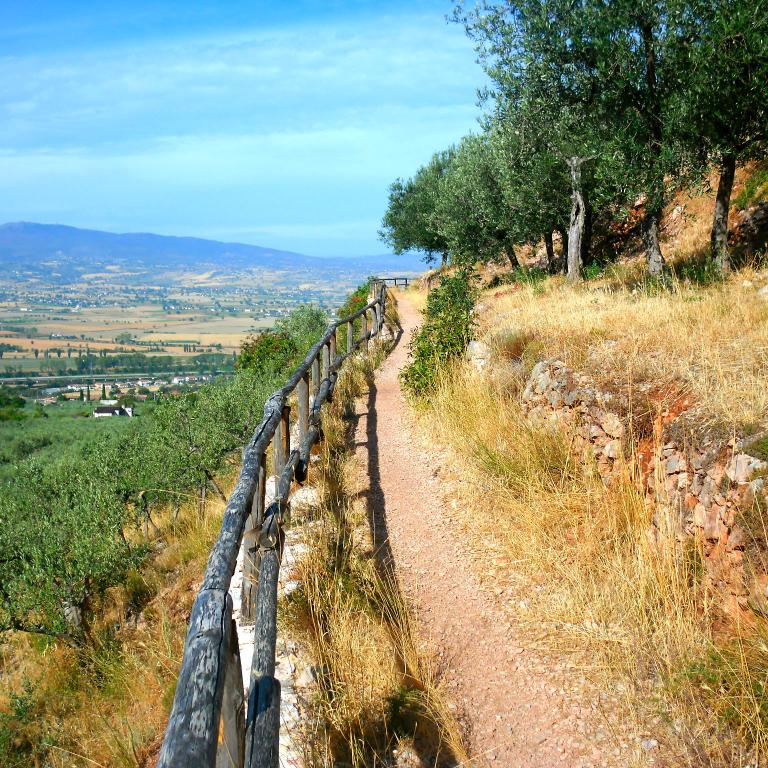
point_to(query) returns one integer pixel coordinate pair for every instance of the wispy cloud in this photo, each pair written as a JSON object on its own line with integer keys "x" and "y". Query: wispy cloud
{"x": 304, "y": 124}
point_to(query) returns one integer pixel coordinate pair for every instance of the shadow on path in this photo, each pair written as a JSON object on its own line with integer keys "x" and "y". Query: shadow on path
{"x": 375, "y": 500}
{"x": 426, "y": 738}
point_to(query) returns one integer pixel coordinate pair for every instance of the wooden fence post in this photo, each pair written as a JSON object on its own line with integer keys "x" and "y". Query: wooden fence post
{"x": 364, "y": 328}
{"x": 263, "y": 722}
{"x": 332, "y": 348}
{"x": 350, "y": 336}
{"x": 326, "y": 361}
{"x": 251, "y": 554}
{"x": 315, "y": 376}
{"x": 281, "y": 444}
{"x": 302, "y": 397}
{"x": 231, "y": 751}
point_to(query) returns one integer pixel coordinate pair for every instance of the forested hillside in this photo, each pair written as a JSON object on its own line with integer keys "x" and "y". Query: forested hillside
{"x": 597, "y": 114}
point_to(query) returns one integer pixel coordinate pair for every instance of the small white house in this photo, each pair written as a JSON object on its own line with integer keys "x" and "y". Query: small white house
{"x": 106, "y": 411}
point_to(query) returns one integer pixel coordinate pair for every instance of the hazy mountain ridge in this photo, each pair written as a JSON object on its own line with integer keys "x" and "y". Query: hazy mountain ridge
{"x": 65, "y": 253}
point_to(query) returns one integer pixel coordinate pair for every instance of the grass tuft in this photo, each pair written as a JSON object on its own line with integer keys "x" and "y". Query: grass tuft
{"x": 376, "y": 691}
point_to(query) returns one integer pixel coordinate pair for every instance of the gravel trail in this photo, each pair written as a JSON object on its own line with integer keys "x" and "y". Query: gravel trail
{"x": 518, "y": 709}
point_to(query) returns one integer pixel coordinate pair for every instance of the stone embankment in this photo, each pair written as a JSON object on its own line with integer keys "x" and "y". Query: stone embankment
{"x": 703, "y": 493}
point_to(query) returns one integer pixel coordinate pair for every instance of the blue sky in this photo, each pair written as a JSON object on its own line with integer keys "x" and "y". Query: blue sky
{"x": 280, "y": 124}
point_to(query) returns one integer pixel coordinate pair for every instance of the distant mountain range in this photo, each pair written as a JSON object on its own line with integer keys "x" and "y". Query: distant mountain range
{"x": 68, "y": 252}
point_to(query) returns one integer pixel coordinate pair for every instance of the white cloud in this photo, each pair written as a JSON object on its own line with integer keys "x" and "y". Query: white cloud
{"x": 224, "y": 132}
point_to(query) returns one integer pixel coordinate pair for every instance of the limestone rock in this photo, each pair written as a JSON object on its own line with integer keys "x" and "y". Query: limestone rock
{"x": 478, "y": 354}
{"x": 304, "y": 502}
{"x": 612, "y": 425}
{"x": 742, "y": 466}
{"x": 613, "y": 449}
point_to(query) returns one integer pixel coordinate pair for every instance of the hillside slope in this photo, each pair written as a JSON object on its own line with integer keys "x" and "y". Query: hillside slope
{"x": 607, "y": 448}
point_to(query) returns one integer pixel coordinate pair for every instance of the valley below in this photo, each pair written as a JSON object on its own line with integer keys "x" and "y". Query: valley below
{"x": 78, "y": 304}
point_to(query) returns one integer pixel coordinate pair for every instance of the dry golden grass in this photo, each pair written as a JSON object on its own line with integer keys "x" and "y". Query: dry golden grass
{"x": 378, "y": 692}
{"x": 634, "y": 610}
{"x": 107, "y": 705}
{"x": 417, "y": 295}
{"x": 581, "y": 551}
{"x": 711, "y": 342}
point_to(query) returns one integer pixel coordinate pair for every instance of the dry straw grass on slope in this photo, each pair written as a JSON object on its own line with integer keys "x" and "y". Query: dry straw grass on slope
{"x": 377, "y": 693}
{"x": 107, "y": 704}
{"x": 711, "y": 342}
{"x": 580, "y": 551}
{"x": 581, "y": 556}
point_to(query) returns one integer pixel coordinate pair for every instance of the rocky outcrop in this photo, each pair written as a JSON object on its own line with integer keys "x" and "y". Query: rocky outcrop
{"x": 699, "y": 494}
{"x": 478, "y": 354}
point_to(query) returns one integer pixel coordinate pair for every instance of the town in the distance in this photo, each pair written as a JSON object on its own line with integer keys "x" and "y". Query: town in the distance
{"x": 102, "y": 322}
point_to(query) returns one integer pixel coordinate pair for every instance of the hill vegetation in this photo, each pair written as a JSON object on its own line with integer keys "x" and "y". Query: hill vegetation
{"x": 597, "y": 114}
{"x": 100, "y": 543}
{"x": 601, "y": 548}
{"x": 593, "y": 353}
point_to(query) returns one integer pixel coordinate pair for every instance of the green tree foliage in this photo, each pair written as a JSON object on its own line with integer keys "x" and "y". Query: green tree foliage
{"x": 277, "y": 351}
{"x": 11, "y": 406}
{"x": 473, "y": 214}
{"x": 304, "y": 326}
{"x": 594, "y": 107}
{"x": 264, "y": 352}
{"x": 58, "y": 557}
{"x": 71, "y": 527}
{"x": 444, "y": 335}
{"x": 723, "y": 113}
{"x": 5, "y": 347}
{"x": 412, "y": 220}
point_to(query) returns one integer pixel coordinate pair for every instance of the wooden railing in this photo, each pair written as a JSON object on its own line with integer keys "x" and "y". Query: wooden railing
{"x": 395, "y": 280}
{"x": 213, "y": 722}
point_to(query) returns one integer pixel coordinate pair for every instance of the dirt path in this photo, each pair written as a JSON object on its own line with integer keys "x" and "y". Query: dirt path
{"x": 517, "y": 713}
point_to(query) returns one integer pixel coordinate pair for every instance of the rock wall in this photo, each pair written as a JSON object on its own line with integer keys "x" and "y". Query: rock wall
{"x": 699, "y": 493}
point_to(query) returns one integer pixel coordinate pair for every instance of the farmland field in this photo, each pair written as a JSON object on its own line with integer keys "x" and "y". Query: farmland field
{"x": 46, "y": 328}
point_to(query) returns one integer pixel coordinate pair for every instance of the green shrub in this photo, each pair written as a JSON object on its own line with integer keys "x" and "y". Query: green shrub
{"x": 698, "y": 270}
{"x": 356, "y": 300}
{"x": 445, "y": 334}
{"x": 759, "y": 448}
{"x": 63, "y": 544}
{"x": 23, "y": 736}
{"x": 532, "y": 276}
{"x": 267, "y": 352}
{"x": 592, "y": 271}
{"x": 751, "y": 192}
{"x": 305, "y": 325}
{"x": 11, "y": 406}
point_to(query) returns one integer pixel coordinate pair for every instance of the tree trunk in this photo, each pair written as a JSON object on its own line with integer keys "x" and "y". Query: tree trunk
{"x": 550, "y": 248}
{"x": 563, "y": 248}
{"x": 201, "y": 505}
{"x": 557, "y": 263}
{"x": 719, "y": 237}
{"x": 655, "y": 143}
{"x": 652, "y": 247}
{"x": 576, "y": 226}
{"x": 586, "y": 239}
{"x": 216, "y": 486}
{"x": 444, "y": 262}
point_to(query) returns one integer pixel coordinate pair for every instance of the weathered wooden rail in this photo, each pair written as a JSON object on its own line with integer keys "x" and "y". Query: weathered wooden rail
{"x": 395, "y": 280}
{"x": 214, "y": 722}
